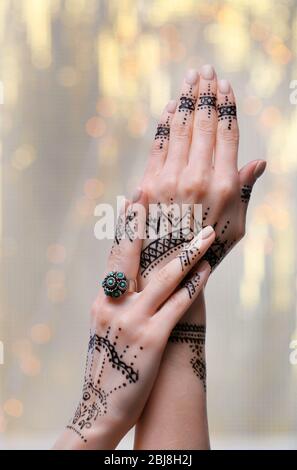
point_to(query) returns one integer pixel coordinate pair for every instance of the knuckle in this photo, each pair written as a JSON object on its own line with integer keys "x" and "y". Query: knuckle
{"x": 194, "y": 185}
{"x": 231, "y": 136}
{"x": 180, "y": 130}
{"x": 164, "y": 275}
{"x": 226, "y": 189}
{"x": 176, "y": 302}
{"x": 206, "y": 127}
{"x": 100, "y": 314}
{"x": 168, "y": 187}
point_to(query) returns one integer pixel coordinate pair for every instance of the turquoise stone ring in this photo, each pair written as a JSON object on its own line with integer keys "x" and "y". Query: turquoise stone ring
{"x": 115, "y": 284}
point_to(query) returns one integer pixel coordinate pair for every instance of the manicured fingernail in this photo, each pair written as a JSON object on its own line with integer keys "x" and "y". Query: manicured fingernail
{"x": 171, "y": 106}
{"x": 136, "y": 195}
{"x": 259, "y": 170}
{"x": 207, "y": 72}
{"x": 224, "y": 86}
{"x": 206, "y": 232}
{"x": 191, "y": 76}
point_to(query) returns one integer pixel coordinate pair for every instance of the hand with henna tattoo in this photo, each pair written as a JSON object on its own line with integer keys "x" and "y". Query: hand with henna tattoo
{"x": 129, "y": 334}
{"x": 196, "y": 163}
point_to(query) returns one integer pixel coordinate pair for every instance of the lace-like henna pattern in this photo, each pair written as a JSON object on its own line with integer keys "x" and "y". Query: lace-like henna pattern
{"x": 126, "y": 227}
{"x": 94, "y": 401}
{"x": 193, "y": 335}
{"x": 191, "y": 283}
{"x": 187, "y": 256}
{"x": 163, "y": 133}
{"x": 207, "y": 100}
{"x": 179, "y": 231}
{"x": 219, "y": 248}
{"x": 246, "y": 193}
{"x": 187, "y": 104}
{"x": 227, "y": 111}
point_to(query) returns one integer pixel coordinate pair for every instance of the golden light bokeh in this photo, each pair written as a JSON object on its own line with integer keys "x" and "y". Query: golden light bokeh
{"x": 84, "y": 84}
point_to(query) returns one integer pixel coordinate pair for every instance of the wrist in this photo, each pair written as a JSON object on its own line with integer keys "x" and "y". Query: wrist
{"x": 104, "y": 434}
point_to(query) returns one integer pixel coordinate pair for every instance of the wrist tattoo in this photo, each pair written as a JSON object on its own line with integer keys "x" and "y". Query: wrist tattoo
{"x": 193, "y": 335}
{"x": 103, "y": 355}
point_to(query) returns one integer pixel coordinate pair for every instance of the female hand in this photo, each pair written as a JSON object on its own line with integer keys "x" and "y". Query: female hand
{"x": 129, "y": 334}
{"x": 194, "y": 160}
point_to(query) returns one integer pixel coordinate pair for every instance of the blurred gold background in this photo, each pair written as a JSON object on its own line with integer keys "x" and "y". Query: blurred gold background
{"x": 84, "y": 82}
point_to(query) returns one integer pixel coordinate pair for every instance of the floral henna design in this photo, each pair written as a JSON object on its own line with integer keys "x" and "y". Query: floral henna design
{"x": 193, "y": 335}
{"x": 94, "y": 402}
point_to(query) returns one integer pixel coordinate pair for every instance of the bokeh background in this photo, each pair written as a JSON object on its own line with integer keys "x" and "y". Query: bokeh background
{"x": 84, "y": 82}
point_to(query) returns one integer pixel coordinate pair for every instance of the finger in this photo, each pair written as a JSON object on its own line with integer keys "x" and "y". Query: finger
{"x": 248, "y": 175}
{"x": 160, "y": 145}
{"x": 205, "y": 121}
{"x": 179, "y": 302}
{"x": 182, "y": 122}
{"x": 165, "y": 281}
{"x": 130, "y": 232}
{"x": 227, "y": 137}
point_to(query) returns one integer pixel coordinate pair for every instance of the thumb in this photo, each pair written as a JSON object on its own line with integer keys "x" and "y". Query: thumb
{"x": 248, "y": 175}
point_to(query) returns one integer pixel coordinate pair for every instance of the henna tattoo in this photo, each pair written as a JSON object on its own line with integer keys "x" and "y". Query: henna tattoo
{"x": 207, "y": 100}
{"x": 94, "y": 402}
{"x": 227, "y": 110}
{"x": 246, "y": 193}
{"x": 126, "y": 226}
{"x": 191, "y": 283}
{"x": 188, "y": 255}
{"x": 218, "y": 250}
{"x": 179, "y": 230}
{"x": 187, "y": 104}
{"x": 193, "y": 335}
{"x": 163, "y": 133}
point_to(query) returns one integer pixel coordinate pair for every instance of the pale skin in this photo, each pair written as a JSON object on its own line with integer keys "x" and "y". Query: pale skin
{"x": 198, "y": 164}
{"x": 164, "y": 388}
{"x": 128, "y": 338}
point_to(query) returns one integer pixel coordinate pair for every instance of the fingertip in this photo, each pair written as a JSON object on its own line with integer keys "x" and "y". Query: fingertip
{"x": 259, "y": 169}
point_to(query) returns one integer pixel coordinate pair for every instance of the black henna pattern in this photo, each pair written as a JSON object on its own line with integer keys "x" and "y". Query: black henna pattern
{"x": 163, "y": 133}
{"x": 218, "y": 250}
{"x": 207, "y": 100}
{"x": 227, "y": 110}
{"x": 193, "y": 335}
{"x": 188, "y": 255}
{"x": 94, "y": 402}
{"x": 178, "y": 232}
{"x": 126, "y": 226}
{"x": 191, "y": 283}
{"x": 246, "y": 193}
{"x": 187, "y": 104}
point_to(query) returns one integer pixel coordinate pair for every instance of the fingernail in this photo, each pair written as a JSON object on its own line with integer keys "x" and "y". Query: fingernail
{"x": 207, "y": 72}
{"x": 136, "y": 195}
{"x": 259, "y": 170}
{"x": 191, "y": 76}
{"x": 171, "y": 106}
{"x": 224, "y": 86}
{"x": 206, "y": 232}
